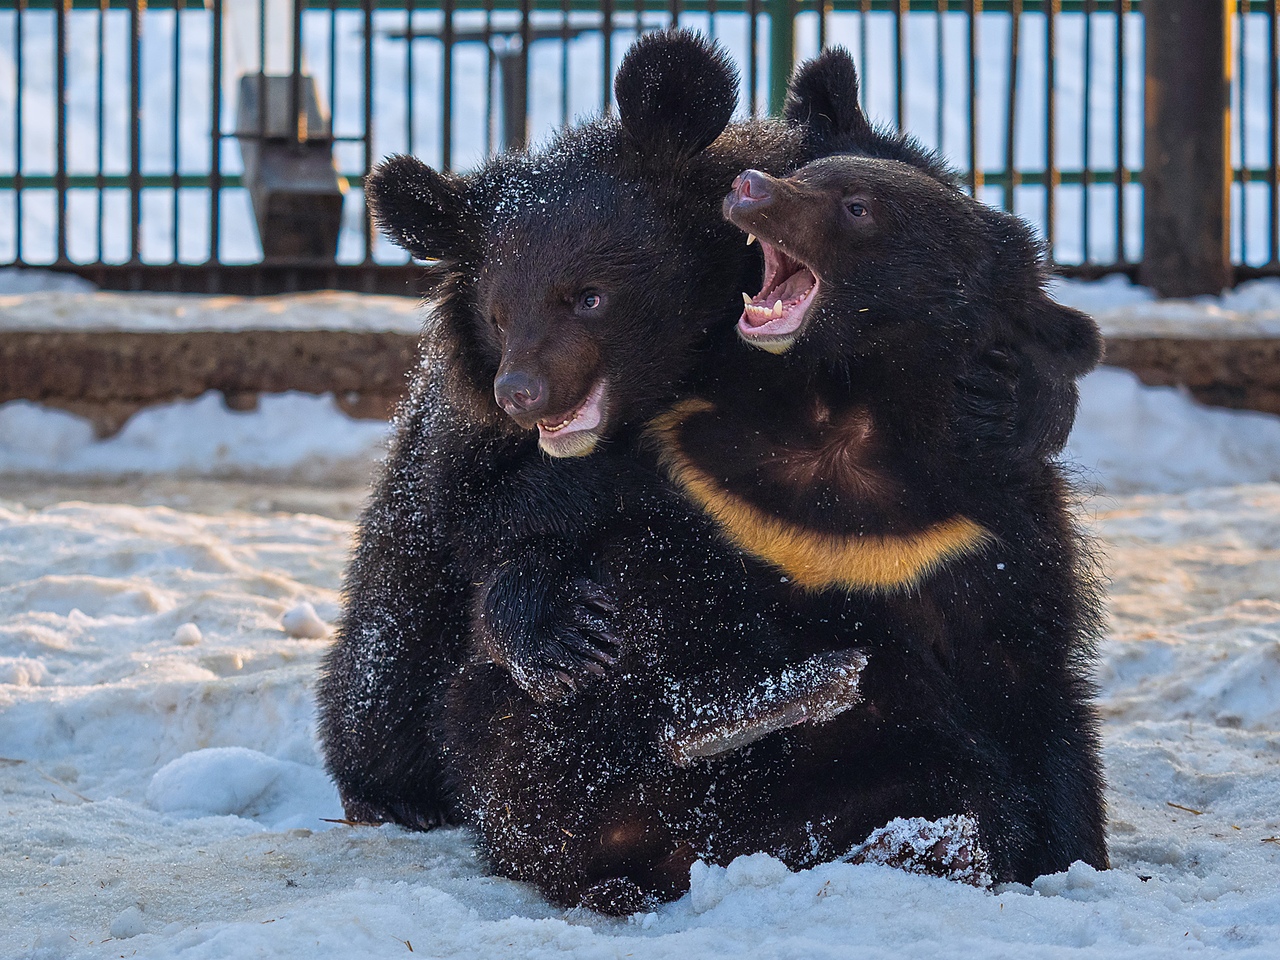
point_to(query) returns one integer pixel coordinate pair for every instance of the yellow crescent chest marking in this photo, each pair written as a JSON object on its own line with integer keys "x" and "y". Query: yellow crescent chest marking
{"x": 813, "y": 561}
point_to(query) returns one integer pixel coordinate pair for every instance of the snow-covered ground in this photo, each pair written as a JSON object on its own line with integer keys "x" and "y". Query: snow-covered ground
{"x": 164, "y": 601}
{"x": 164, "y": 796}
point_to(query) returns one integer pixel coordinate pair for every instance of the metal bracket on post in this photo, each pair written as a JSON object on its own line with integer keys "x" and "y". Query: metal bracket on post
{"x": 1187, "y": 164}
{"x": 287, "y": 146}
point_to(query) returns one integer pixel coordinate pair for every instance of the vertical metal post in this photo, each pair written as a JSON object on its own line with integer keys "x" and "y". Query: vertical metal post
{"x": 136, "y": 9}
{"x": 606, "y": 37}
{"x": 19, "y": 20}
{"x": 782, "y": 50}
{"x": 366, "y": 8}
{"x": 975, "y": 167}
{"x": 1186, "y": 167}
{"x": 1122, "y": 169}
{"x": 446, "y": 68}
{"x": 63, "y": 10}
{"x": 297, "y": 116}
{"x": 1273, "y": 166}
{"x": 215, "y": 143}
{"x": 1051, "y": 9}
{"x": 899, "y": 62}
{"x": 1011, "y": 178}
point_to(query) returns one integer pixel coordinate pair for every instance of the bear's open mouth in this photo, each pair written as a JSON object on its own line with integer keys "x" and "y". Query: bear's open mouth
{"x": 774, "y": 318}
{"x": 575, "y": 434}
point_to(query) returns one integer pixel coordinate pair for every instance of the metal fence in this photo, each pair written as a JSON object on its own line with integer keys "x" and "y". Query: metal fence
{"x": 220, "y": 145}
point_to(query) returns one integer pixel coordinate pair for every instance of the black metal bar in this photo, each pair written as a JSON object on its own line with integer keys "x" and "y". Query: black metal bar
{"x": 215, "y": 140}
{"x": 824, "y": 7}
{"x": 899, "y": 61}
{"x": 564, "y": 63}
{"x": 1242, "y": 174}
{"x": 864, "y": 17}
{"x": 1011, "y": 107}
{"x": 60, "y": 110}
{"x": 522, "y": 91}
{"x": 1273, "y": 84}
{"x": 606, "y": 29}
{"x": 975, "y": 170}
{"x": 753, "y": 54}
{"x": 1085, "y": 139}
{"x": 446, "y": 66}
{"x": 487, "y": 34}
{"x": 135, "y": 130}
{"x": 939, "y": 24}
{"x": 1051, "y": 123}
{"x": 367, "y": 7}
{"x": 18, "y": 47}
{"x": 297, "y": 115}
{"x": 333, "y": 67}
{"x": 1122, "y": 173}
{"x": 100, "y": 122}
{"x": 408, "y": 80}
{"x": 175, "y": 139}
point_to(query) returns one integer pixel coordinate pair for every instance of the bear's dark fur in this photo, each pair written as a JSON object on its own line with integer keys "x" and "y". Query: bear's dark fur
{"x": 897, "y": 464}
{"x": 895, "y": 469}
{"x": 580, "y": 279}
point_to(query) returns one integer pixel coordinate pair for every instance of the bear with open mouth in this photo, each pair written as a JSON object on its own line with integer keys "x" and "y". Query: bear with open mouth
{"x": 890, "y": 452}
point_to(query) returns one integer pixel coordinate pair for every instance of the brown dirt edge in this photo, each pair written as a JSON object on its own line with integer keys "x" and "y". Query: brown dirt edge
{"x": 107, "y": 376}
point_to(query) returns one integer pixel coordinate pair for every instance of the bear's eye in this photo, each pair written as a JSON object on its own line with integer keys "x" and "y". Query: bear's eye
{"x": 857, "y": 208}
{"x": 590, "y": 300}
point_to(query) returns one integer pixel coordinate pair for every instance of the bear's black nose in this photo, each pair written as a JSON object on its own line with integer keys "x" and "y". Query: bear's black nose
{"x": 519, "y": 393}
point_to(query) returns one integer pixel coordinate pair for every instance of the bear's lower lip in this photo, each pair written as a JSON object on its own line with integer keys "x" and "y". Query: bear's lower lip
{"x": 774, "y": 317}
{"x": 576, "y": 434}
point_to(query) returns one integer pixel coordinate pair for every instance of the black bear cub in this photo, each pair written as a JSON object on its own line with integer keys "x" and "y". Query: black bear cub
{"x": 890, "y": 452}
{"x": 576, "y": 287}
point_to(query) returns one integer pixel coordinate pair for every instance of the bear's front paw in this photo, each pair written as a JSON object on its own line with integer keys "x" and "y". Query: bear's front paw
{"x": 570, "y": 644}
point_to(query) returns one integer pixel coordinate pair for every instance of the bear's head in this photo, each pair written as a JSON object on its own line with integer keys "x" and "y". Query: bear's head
{"x": 874, "y": 250}
{"x": 574, "y": 284}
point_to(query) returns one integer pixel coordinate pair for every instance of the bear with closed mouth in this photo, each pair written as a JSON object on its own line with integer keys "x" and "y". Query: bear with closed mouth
{"x": 890, "y": 451}
{"x": 518, "y": 552}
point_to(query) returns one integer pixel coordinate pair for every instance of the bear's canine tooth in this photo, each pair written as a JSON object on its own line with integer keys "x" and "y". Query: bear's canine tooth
{"x": 777, "y": 308}
{"x": 746, "y": 299}
{"x": 751, "y": 238}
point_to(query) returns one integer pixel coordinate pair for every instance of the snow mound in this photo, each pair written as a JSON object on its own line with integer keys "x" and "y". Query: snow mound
{"x": 1133, "y": 438}
{"x": 236, "y": 782}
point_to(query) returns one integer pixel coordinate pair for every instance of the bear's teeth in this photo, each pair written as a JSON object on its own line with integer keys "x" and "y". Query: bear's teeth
{"x": 746, "y": 298}
{"x": 751, "y": 238}
{"x": 777, "y": 308}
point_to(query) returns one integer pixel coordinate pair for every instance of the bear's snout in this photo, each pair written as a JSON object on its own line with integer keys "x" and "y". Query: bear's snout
{"x": 519, "y": 393}
{"x": 751, "y": 188}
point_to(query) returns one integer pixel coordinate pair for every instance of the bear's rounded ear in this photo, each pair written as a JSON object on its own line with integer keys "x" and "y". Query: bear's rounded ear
{"x": 823, "y": 98}
{"x": 675, "y": 92}
{"x": 423, "y": 211}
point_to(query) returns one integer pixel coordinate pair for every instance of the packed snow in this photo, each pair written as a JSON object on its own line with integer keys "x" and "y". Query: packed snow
{"x": 165, "y": 795}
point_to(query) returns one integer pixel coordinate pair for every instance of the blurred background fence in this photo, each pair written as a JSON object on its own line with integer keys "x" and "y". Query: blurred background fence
{"x": 219, "y": 145}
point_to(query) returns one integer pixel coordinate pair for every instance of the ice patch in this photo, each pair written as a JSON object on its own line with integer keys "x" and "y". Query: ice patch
{"x": 236, "y": 782}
